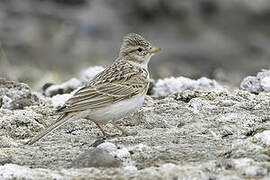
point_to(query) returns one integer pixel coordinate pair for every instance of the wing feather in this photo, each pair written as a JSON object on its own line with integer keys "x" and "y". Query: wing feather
{"x": 88, "y": 105}
{"x": 104, "y": 90}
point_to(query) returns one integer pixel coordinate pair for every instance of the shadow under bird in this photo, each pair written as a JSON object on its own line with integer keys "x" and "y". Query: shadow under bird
{"x": 113, "y": 93}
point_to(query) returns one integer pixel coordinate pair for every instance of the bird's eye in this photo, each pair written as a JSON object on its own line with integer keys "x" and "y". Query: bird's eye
{"x": 139, "y": 49}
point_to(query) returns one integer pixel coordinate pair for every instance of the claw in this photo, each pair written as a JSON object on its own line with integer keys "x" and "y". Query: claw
{"x": 124, "y": 132}
{"x": 108, "y": 136}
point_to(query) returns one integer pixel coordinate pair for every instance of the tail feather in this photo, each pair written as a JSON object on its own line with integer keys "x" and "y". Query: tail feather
{"x": 59, "y": 122}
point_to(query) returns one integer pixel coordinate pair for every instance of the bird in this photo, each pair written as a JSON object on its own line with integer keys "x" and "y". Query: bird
{"x": 113, "y": 93}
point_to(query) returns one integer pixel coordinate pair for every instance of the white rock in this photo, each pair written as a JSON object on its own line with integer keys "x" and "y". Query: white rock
{"x": 242, "y": 163}
{"x": 70, "y": 84}
{"x": 90, "y": 73}
{"x": 195, "y": 104}
{"x": 6, "y": 102}
{"x": 255, "y": 171}
{"x": 122, "y": 153}
{"x": 11, "y": 170}
{"x": 251, "y": 84}
{"x": 14, "y": 171}
{"x": 167, "y": 86}
{"x": 263, "y": 73}
{"x": 258, "y": 83}
{"x": 264, "y": 137}
{"x": 60, "y": 99}
{"x": 110, "y": 147}
{"x": 130, "y": 169}
{"x": 265, "y": 83}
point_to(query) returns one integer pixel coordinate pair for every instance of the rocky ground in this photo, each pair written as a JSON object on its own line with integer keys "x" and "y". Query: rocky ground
{"x": 191, "y": 133}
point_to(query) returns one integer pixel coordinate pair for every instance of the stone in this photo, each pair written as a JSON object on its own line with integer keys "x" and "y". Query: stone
{"x": 258, "y": 83}
{"x": 96, "y": 157}
{"x": 194, "y": 134}
{"x": 167, "y": 86}
{"x": 14, "y": 95}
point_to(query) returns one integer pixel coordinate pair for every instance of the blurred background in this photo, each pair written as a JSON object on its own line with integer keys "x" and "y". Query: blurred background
{"x": 53, "y": 40}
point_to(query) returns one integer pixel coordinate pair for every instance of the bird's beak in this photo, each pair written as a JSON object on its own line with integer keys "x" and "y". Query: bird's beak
{"x": 154, "y": 50}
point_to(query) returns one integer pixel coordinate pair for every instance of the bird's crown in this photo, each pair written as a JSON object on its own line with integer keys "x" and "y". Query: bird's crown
{"x": 136, "y": 49}
{"x": 133, "y": 40}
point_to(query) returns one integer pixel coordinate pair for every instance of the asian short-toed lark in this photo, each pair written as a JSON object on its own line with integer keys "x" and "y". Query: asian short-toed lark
{"x": 113, "y": 93}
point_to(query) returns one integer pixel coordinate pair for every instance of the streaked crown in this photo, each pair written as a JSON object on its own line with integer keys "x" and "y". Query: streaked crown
{"x": 136, "y": 48}
{"x": 134, "y": 40}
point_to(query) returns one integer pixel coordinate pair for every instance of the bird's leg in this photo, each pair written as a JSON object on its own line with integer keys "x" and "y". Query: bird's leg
{"x": 106, "y": 135}
{"x": 124, "y": 132}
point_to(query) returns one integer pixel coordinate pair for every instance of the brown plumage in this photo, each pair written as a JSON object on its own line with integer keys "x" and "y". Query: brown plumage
{"x": 116, "y": 91}
{"x": 118, "y": 82}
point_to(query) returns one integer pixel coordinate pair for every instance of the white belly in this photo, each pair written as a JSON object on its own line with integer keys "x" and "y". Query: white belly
{"x": 116, "y": 111}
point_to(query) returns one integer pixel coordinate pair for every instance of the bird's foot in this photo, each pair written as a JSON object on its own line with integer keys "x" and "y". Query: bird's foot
{"x": 109, "y": 136}
{"x": 124, "y": 134}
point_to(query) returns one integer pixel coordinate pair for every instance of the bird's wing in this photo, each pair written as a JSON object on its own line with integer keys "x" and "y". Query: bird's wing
{"x": 105, "y": 90}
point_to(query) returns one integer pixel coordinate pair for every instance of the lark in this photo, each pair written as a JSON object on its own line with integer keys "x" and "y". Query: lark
{"x": 112, "y": 94}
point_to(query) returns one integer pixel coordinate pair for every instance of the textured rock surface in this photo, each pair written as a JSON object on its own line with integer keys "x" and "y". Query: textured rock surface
{"x": 190, "y": 134}
{"x": 96, "y": 157}
{"x": 167, "y": 86}
{"x": 258, "y": 83}
{"x": 16, "y": 95}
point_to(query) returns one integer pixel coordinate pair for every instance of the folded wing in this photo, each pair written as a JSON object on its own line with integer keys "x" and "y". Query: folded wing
{"x": 101, "y": 94}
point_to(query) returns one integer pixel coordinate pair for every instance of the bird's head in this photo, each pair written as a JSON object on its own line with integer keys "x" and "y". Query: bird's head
{"x": 137, "y": 49}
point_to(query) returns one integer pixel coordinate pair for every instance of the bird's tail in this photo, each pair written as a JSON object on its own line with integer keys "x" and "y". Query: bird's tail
{"x": 59, "y": 122}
